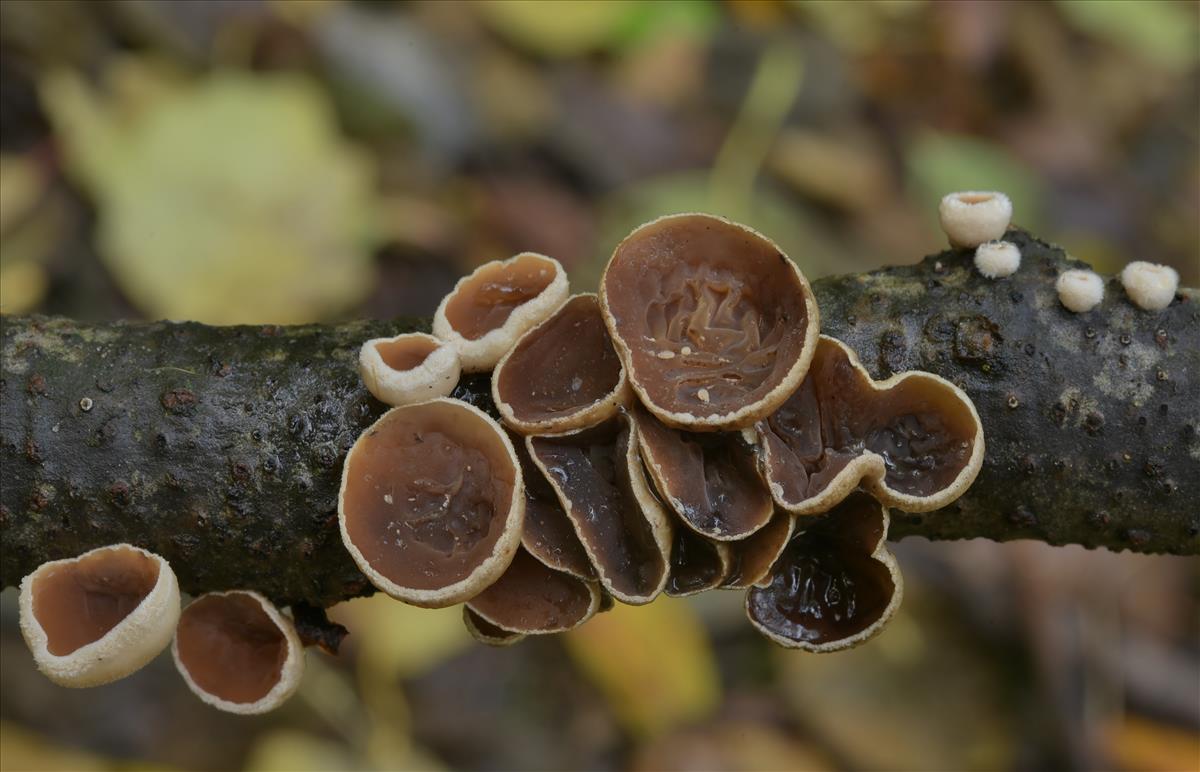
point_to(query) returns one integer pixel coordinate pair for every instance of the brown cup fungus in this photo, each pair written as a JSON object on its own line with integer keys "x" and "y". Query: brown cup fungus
{"x": 237, "y": 652}
{"x": 597, "y": 474}
{"x": 96, "y": 618}
{"x": 708, "y": 479}
{"x": 835, "y": 586}
{"x": 715, "y": 326}
{"x": 432, "y": 502}
{"x": 532, "y": 599}
{"x": 697, "y": 563}
{"x": 408, "y": 368}
{"x": 486, "y": 312}
{"x": 548, "y": 534}
{"x": 486, "y": 632}
{"x": 914, "y": 440}
{"x": 563, "y": 374}
{"x": 751, "y": 559}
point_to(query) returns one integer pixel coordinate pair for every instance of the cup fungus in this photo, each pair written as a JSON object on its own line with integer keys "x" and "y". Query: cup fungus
{"x": 973, "y": 217}
{"x": 486, "y": 632}
{"x": 997, "y": 259}
{"x": 1079, "y": 291}
{"x": 697, "y": 563}
{"x": 562, "y": 374}
{"x": 548, "y": 534}
{"x": 914, "y": 440}
{"x": 487, "y": 311}
{"x": 750, "y": 559}
{"x": 1150, "y": 286}
{"x": 835, "y": 586}
{"x": 715, "y": 326}
{"x": 93, "y": 619}
{"x": 408, "y": 368}
{"x": 237, "y": 652}
{"x": 432, "y": 502}
{"x": 533, "y": 599}
{"x": 597, "y": 475}
{"x": 708, "y": 479}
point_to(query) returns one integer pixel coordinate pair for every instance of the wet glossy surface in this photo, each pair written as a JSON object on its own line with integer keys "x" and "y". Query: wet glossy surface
{"x": 230, "y": 647}
{"x": 591, "y": 470}
{"x": 751, "y": 558}
{"x": 714, "y": 316}
{"x": 548, "y": 534}
{"x": 710, "y": 479}
{"x": 826, "y": 587}
{"x": 695, "y": 564}
{"x": 485, "y": 301}
{"x": 530, "y": 598}
{"x": 77, "y": 603}
{"x": 566, "y": 365}
{"x": 406, "y": 352}
{"x": 428, "y": 491}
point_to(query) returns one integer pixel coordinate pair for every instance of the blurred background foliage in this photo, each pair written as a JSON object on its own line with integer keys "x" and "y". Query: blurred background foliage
{"x": 281, "y": 161}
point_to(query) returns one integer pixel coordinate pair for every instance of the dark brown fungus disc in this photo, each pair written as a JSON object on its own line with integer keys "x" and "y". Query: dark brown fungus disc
{"x": 563, "y": 374}
{"x": 486, "y": 632}
{"x": 914, "y": 440}
{"x": 714, "y": 324}
{"x": 709, "y": 480}
{"x": 532, "y": 599}
{"x": 836, "y": 584}
{"x": 751, "y": 558}
{"x": 597, "y": 474}
{"x": 432, "y": 502}
{"x": 697, "y": 563}
{"x": 548, "y": 534}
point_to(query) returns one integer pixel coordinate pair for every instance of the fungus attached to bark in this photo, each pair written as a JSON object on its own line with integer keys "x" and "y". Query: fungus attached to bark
{"x": 486, "y": 312}
{"x": 408, "y": 368}
{"x": 714, "y": 324}
{"x": 597, "y": 474}
{"x": 914, "y": 440}
{"x": 486, "y": 632}
{"x": 997, "y": 259}
{"x": 533, "y": 599}
{"x": 563, "y": 374}
{"x": 548, "y": 534}
{"x": 835, "y": 586}
{"x": 98, "y": 617}
{"x": 697, "y": 563}
{"x": 750, "y": 559}
{"x": 708, "y": 479}
{"x": 432, "y": 502}
{"x": 237, "y": 652}
{"x": 1080, "y": 291}
{"x": 973, "y": 217}
{"x": 1150, "y": 286}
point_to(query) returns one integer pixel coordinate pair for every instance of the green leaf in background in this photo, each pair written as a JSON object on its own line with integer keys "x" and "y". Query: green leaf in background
{"x": 557, "y": 28}
{"x": 228, "y": 200}
{"x": 1161, "y": 31}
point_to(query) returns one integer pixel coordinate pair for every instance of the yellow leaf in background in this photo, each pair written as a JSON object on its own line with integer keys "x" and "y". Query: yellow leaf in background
{"x": 394, "y": 640}
{"x": 22, "y": 286}
{"x": 285, "y": 750}
{"x": 25, "y": 751}
{"x": 654, "y": 663}
{"x": 1148, "y": 746}
{"x": 228, "y": 200}
{"x": 557, "y": 27}
{"x": 732, "y": 746}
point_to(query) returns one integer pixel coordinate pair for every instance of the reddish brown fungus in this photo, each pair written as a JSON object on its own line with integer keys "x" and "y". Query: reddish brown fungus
{"x": 531, "y": 598}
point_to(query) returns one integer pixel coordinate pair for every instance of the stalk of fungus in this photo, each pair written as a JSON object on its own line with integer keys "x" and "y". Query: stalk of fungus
{"x": 1079, "y": 291}
{"x": 1150, "y": 286}
{"x": 408, "y": 368}
{"x": 93, "y": 619}
{"x": 973, "y": 217}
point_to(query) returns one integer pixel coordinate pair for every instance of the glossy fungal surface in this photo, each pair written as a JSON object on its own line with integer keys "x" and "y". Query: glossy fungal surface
{"x": 408, "y": 368}
{"x": 432, "y": 502}
{"x": 751, "y": 559}
{"x": 835, "y": 585}
{"x": 914, "y": 439}
{"x": 548, "y": 534}
{"x": 697, "y": 563}
{"x": 714, "y": 324}
{"x": 531, "y": 598}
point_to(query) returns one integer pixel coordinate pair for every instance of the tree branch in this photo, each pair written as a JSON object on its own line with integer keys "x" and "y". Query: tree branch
{"x": 220, "y": 448}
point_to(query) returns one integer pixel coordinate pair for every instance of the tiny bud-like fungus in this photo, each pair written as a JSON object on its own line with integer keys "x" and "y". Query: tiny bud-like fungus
{"x": 408, "y": 368}
{"x": 1080, "y": 291}
{"x": 997, "y": 259}
{"x": 735, "y": 317}
{"x": 96, "y": 618}
{"x": 973, "y": 217}
{"x": 486, "y": 312}
{"x": 432, "y": 502}
{"x": 237, "y": 652}
{"x": 1150, "y": 286}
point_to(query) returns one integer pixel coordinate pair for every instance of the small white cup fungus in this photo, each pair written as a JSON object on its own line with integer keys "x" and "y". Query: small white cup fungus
{"x": 1080, "y": 291}
{"x": 1149, "y": 285}
{"x": 997, "y": 259}
{"x": 409, "y": 368}
{"x": 973, "y": 217}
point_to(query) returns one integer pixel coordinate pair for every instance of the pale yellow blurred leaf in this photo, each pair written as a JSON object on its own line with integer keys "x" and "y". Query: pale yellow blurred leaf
{"x": 559, "y": 28}
{"x": 394, "y": 640}
{"x": 22, "y": 286}
{"x": 654, "y": 663}
{"x": 21, "y": 184}
{"x": 23, "y": 750}
{"x": 730, "y": 746}
{"x": 1147, "y": 746}
{"x": 286, "y": 750}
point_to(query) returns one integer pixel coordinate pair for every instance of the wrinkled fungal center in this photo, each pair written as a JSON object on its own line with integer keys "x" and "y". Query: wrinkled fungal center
{"x": 78, "y": 603}
{"x": 407, "y": 353}
{"x": 427, "y": 491}
{"x": 231, "y": 648}
{"x": 485, "y": 301}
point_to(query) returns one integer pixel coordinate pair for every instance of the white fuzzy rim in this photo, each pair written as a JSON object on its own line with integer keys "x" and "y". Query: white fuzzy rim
{"x": 972, "y": 217}
{"x": 1079, "y": 291}
{"x": 880, "y": 554}
{"x": 482, "y": 354}
{"x": 582, "y": 418}
{"x": 1150, "y": 286}
{"x": 290, "y": 673}
{"x": 483, "y": 574}
{"x": 997, "y": 259}
{"x": 435, "y": 377}
{"x": 127, "y": 647}
{"x": 593, "y": 606}
{"x": 746, "y": 415}
{"x": 478, "y": 634}
{"x": 651, "y": 509}
{"x": 869, "y": 468}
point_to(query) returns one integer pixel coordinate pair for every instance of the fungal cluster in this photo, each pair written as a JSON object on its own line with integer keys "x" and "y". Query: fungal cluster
{"x": 685, "y": 429}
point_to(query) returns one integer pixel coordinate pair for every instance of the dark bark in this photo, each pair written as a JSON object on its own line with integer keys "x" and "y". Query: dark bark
{"x": 220, "y": 448}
